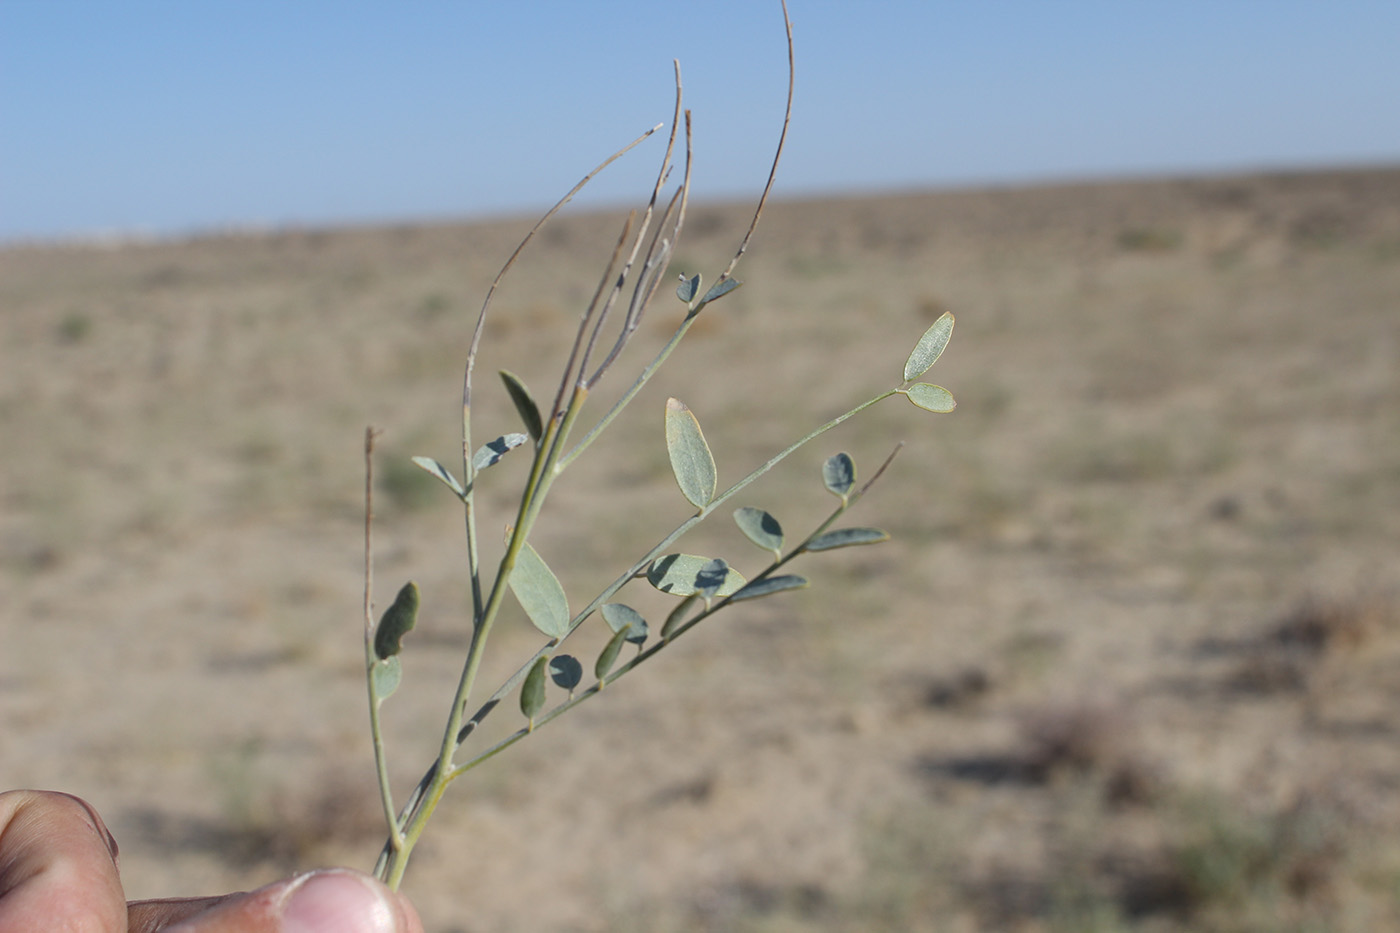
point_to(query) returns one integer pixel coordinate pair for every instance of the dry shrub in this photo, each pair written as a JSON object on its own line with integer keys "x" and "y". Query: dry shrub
{"x": 1088, "y": 738}
{"x": 1288, "y": 654}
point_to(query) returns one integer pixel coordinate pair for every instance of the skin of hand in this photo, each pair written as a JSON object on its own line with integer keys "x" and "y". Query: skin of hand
{"x": 58, "y": 871}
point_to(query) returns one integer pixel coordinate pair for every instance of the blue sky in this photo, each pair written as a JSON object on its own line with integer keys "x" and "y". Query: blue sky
{"x": 174, "y": 117}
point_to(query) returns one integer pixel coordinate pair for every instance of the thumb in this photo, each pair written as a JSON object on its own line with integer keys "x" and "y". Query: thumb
{"x": 331, "y": 901}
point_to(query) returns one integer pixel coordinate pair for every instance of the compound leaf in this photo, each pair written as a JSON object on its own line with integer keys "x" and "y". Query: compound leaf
{"x": 442, "y": 473}
{"x": 769, "y": 585}
{"x": 839, "y": 474}
{"x": 524, "y": 403}
{"x": 398, "y": 620}
{"x": 532, "y": 691}
{"x": 760, "y": 527}
{"x": 846, "y": 537}
{"x": 929, "y": 348}
{"x": 689, "y": 575}
{"x": 540, "y": 593}
{"x": 691, "y": 459}
{"x": 931, "y": 397}
{"x": 492, "y": 451}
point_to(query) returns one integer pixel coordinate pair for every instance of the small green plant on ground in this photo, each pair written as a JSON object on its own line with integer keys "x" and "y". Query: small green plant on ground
{"x": 702, "y": 586}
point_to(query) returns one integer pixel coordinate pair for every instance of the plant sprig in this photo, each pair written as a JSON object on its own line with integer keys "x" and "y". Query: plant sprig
{"x": 704, "y": 586}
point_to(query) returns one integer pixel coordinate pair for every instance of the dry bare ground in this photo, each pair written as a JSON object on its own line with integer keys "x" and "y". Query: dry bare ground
{"x": 1128, "y": 663}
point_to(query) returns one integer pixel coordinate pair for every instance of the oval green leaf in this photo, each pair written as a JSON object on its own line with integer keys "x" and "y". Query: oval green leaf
{"x": 839, "y": 474}
{"x": 492, "y": 451}
{"x": 691, "y": 459}
{"x": 398, "y": 620}
{"x": 384, "y": 678}
{"x": 442, "y": 473}
{"x": 770, "y": 585}
{"x": 846, "y": 537}
{"x": 760, "y": 527}
{"x": 681, "y": 575}
{"x": 532, "y": 691}
{"x": 565, "y": 671}
{"x": 931, "y": 397}
{"x": 720, "y": 289}
{"x": 539, "y": 592}
{"x": 677, "y": 615}
{"x": 608, "y": 658}
{"x": 688, "y": 288}
{"x": 621, "y": 617}
{"x": 524, "y": 403}
{"x": 929, "y": 348}
{"x": 711, "y": 577}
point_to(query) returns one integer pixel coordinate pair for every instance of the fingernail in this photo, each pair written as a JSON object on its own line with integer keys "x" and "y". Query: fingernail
{"x": 337, "y": 902}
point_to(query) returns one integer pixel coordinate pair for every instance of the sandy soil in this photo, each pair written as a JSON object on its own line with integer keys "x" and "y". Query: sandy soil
{"x": 1128, "y": 662}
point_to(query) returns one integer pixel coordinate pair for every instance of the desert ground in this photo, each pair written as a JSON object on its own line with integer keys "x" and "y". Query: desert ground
{"x": 1128, "y": 662}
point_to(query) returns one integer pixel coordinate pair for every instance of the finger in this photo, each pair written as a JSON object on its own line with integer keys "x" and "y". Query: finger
{"x": 332, "y": 901}
{"x": 58, "y": 866}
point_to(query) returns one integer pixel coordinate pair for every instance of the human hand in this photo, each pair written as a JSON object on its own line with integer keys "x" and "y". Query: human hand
{"x": 58, "y": 871}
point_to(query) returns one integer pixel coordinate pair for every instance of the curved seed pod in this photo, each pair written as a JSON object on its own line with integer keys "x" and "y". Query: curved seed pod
{"x": 929, "y": 348}
{"x": 398, "y": 620}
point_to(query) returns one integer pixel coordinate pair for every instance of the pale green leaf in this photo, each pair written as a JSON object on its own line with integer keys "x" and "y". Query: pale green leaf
{"x": 711, "y": 577}
{"x": 539, "y": 592}
{"x": 931, "y": 397}
{"x": 930, "y": 347}
{"x": 622, "y": 617}
{"x": 846, "y": 537}
{"x": 687, "y": 574}
{"x": 839, "y": 474}
{"x": 688, "y": 288}
{"x": 720, "y": 289}
{"x": 492, "y": 451}
{"x": 532, "y": 691}
{"x": 691, "y": 459}
{"x": 677, "y": 615}
{"x": 384, "y": 678}
{"x": 442, "y": 473}
{"x": 524, "y": 403}
{"x": 608, "y": 657}
{"x": 397, "y": 621}
{"x": 760, "y": 527}
{"x": 768, "y": 586}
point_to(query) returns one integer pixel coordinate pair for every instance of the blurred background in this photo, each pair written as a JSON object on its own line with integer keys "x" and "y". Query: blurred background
{"x": 152, "y": 118}
{"x": 1128, "y": 660}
